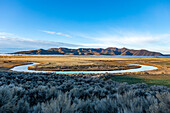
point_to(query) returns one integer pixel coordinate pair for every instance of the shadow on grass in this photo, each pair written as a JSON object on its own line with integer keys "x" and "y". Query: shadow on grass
{"x": 133, "y": 80}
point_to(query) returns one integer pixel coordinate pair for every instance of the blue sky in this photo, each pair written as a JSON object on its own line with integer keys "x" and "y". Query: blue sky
{"x": 135, "y": 24}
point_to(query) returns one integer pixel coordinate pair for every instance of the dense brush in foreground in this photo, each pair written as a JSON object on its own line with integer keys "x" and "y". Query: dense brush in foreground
{"x": 51, "y": 93}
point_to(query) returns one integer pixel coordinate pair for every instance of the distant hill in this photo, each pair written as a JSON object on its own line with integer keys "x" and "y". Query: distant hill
{"x": 92, "y": 51}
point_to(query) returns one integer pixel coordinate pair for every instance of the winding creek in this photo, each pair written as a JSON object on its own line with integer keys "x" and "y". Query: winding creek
{"x": 24, "y": 68}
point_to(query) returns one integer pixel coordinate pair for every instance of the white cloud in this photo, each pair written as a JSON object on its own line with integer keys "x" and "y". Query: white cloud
{"x": 126, "y": 40}
{"x": 50, "y": 32}
{"x": 4, "y": 33}
{"x": 159, "y": 42}
{"x": 22, "y": 43}
{"x": 63, "y": 34}
{"x": 57, "y": 33}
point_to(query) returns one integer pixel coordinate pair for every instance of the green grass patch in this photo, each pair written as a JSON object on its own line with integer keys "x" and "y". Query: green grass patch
{"x": 134, "y": 79}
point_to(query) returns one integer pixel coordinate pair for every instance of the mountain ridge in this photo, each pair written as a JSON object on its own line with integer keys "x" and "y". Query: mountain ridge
{"x": 92, "y": 51}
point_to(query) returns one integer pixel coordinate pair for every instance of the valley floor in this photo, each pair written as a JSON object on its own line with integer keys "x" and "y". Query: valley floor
{"x": 22, "y": 92}
{"x": 161, "y": 76}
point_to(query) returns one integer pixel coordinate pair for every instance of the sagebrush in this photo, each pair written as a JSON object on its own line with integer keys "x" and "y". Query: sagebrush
{"x": 51, "y": 93}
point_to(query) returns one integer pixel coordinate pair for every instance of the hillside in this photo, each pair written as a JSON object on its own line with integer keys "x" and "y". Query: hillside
{"x": 92, "y": 51}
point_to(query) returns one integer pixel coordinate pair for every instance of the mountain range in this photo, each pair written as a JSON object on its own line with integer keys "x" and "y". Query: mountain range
{"x": 91, "y": 51}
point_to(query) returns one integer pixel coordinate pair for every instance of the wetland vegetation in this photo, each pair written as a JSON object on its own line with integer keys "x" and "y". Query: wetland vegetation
{"x": 155, "y": 77}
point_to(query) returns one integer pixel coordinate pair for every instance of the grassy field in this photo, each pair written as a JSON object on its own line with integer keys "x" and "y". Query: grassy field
{"x": 161, "y": 76}
{"x": 7, "y": 64}
{"x": 53, "y": 61}
{"x": 148, "y": 79}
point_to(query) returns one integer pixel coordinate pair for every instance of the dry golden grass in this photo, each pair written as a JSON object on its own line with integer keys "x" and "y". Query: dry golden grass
{"x": 161, "y": 76}
{"x": 5, "y": 65}
{"x": 52, "y": 61}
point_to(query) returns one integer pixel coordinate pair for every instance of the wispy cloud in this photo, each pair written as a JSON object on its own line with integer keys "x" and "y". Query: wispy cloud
{"x": 126, "y": 40}
{"x": 4, "y": 33}
{"x": 132, "y": 40}
{"x": 57, "y": 33}
{"x": 23, "y": 43}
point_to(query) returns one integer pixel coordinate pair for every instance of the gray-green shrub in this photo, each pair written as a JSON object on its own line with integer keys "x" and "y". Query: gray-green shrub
{"x": 51, "y": 93}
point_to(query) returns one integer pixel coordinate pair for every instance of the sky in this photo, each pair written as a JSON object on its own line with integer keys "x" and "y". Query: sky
{"x": 35, "y": 24}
